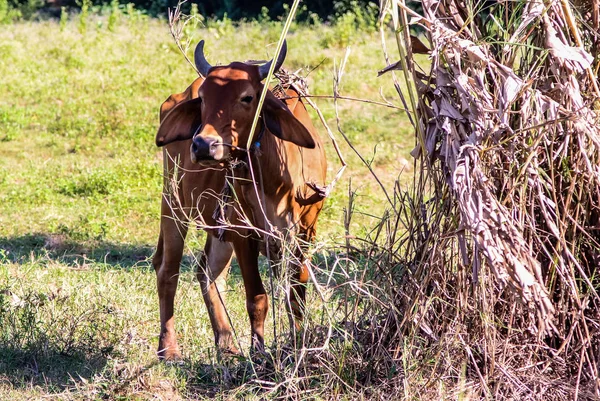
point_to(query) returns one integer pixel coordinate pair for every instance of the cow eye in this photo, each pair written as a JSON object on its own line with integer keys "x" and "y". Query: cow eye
{"x": 247, "y": 99}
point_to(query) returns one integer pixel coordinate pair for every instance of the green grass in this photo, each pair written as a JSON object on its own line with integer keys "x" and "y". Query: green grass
{"x": 80, "y": 183}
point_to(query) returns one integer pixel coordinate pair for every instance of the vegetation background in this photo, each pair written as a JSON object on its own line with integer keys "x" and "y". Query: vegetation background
{"x": 466, "y": 272}
{"x": 234, "y": 9}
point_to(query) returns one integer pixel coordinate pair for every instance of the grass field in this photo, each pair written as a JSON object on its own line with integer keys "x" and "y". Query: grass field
{"x": 80, "y": 183}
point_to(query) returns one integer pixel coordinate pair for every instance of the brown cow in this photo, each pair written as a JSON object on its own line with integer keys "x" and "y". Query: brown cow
{"x": 204, "y": 132}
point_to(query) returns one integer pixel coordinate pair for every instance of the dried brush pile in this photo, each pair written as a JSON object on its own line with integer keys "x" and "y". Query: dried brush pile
{"x": 488, "y": 284}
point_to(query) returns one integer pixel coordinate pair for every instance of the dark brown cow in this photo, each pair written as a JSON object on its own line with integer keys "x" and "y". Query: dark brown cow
{"x": 204, "y": 131}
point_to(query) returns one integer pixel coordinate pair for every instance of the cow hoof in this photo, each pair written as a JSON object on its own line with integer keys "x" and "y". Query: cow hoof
{"x": 258, "y": 344}
{"x": 257, "y": 352}
{"x": 169, "y": 354}
{"x": 229, "y": 351}
{"x": 261, "y": 357}
{"x": 225, "y": 345}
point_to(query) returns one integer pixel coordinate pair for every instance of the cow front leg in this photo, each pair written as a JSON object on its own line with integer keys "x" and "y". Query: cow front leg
{"x": 257, "y": 304}
{"x": 166, "y": 262}
{"x": 212, "y": 273}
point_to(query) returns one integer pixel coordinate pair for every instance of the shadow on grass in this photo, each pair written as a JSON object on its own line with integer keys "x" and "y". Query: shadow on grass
{"x": 50, "y": 369}
{"x": 208, "y": 380}
{"x": 62, "y": 249}
{"x": 230, "y": 376}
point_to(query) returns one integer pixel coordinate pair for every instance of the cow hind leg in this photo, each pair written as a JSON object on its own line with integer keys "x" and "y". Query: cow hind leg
{"x": 166, "y": 263}
{"x": 212, "y": 272}
{"x": 297, "y": 294}
{"x": 257, "y": 304}
{"x": 300, "y": 273}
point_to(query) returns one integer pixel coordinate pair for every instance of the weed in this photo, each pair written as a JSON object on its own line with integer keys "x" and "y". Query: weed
{"x": 83, "y": 15}
{"x": 264, "y": 17}
{"x": 113, "y": 18}
{"x": 95, "y": 183}
{"x": 220, "y": 28}
{"x": 28, "y": 8}
{"x": 350, "y": 24}
{"x": 8, "y": 13}
{"x": 4, "y": 11}
{"x": 64, "y": 17}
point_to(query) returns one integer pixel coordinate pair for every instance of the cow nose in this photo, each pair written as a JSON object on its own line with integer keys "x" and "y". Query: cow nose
{"x": 206, "y": 148}
{"x": 200, "y": 148}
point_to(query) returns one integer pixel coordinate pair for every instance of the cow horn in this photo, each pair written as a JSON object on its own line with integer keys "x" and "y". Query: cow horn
{"x": 201, "y": 64}
{"x": 264, "y": 69}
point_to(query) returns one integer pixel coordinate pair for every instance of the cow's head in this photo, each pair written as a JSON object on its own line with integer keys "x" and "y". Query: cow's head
{"x": 220, "y": 119}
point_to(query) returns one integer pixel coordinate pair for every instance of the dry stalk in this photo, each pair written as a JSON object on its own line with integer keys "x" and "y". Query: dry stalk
{"x": 177, "y": 23}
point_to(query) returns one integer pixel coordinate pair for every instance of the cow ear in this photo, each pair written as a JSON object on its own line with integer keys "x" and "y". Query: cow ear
{"x": 281, "y": 122}
{"x": 180, "y": 123}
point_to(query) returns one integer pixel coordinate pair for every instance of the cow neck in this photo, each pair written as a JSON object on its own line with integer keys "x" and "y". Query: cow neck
{"x": 240, "y": 163}
{"x": 275, "y": 159}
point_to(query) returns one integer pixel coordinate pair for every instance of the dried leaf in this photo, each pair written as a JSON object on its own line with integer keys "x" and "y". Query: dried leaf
{"x": 417, "y": 46}
{"x": 580, "y": 58}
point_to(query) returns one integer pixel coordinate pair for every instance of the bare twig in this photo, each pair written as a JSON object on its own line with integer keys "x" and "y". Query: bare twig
{"x": 177, "y": 23}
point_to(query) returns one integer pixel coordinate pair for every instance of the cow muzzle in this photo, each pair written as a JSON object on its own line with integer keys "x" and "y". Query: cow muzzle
{"x": 207, "y": 149}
